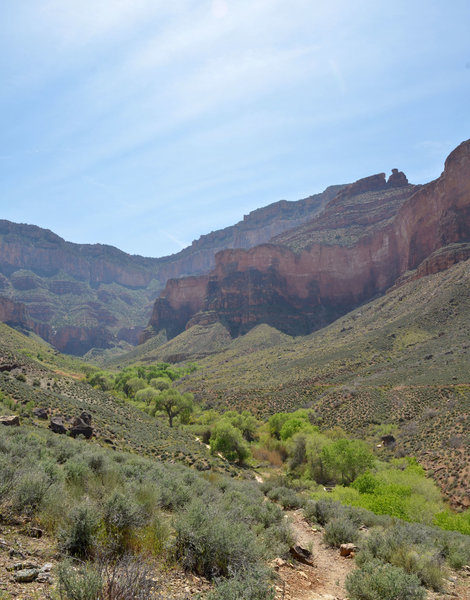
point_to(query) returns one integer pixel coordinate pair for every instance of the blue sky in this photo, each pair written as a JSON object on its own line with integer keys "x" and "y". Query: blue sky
{"x": 146, "y": 123}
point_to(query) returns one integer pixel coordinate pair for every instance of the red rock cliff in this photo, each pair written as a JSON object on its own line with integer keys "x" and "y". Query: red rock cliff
{"x": 298, "y": 292}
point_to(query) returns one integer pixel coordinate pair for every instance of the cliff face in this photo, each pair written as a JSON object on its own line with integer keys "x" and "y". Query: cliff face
{"x": 14, "y": 313}
{"x": 257, "y": 227}
{"x": 80, "y": 296}
{"x": 387, "y": 229}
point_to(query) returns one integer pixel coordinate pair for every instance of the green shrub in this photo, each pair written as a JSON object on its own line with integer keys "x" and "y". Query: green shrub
{"x": 78, "y": 537}
{"x": 78, "y": 583}
{"x": 76, "y": 473}
{"x": 210, "y": 544}
{"x": 325, "y": 510}
{"x": 285, "y": 497}
{"x": 340, "y": 530}
{"x": 29, "y": 490}
{"x": 228, "y": 440}
{"x": 125, "y": 579}
{"x": 455, "y": 548}
{"x": 121, "y": 516}
{"x": 453, "y": 521}
{"x": 249, "y": 585}
{"x": 412, "y": 547}
{"x": 379, "y": 581}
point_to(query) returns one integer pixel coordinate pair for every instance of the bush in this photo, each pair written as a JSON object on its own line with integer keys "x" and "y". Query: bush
{"x": 379, "y": 581}
{"x": 121, "y": 516}
{"x": 126, "y": 579}
{"x": 456, "y": 548}
{"x": 210, "y": 544}
{"x": 82, "y": 583}
{"x": 249, "y": 585}
{"x": 78, "y": 537}
{"x": 228, "y": 440}
{"x": 412, "y": 547}
{"x": 29, "y": 490}
{"x": 285, "y": 497}
{"x": 340, "y": 531}
{"x": 325, "y": 510}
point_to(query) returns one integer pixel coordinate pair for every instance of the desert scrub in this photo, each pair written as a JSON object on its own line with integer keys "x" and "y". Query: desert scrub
{"x": 340, "y": 530}
{"x": 248, "y": 585}
{"x": 379, "y": 581}
{"x": 98, "y": 501}
{"x": 81, "y": 582}
{"x": 209, "y": 544}
{"x": 323, "y": 511}
{"x": 413, "y": 547}
{"x": 78, "y": 537}
{"x": 125, "y": 579}
{"x": 286, "y": 497}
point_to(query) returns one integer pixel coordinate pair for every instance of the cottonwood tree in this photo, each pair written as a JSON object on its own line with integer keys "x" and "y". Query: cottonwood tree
{"x": 175, "y": 404}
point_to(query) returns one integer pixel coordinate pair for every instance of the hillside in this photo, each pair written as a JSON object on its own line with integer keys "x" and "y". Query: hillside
{"x": 400, "y": 361}
{"x": 195, "y": 343}
{"x": 364, "y": 241}
{"x": 34, "y": 374}
{"x": 82, "y": 296}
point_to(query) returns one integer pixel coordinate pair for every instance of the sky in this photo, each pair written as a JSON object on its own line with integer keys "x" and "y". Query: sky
{"x": 146, "y": 123}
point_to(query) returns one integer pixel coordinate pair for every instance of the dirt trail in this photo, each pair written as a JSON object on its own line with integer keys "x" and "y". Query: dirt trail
{"x": 323, "y": 581}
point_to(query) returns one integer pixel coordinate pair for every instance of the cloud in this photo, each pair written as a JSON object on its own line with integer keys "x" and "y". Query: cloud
{"x": 174, "y": 239}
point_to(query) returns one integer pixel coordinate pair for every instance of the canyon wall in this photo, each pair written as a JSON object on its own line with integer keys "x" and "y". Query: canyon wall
{"x": 299, "y": 291}
{"x": 82, "y": 296}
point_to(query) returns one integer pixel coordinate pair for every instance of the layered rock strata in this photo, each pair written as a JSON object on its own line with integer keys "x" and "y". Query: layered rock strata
{"x": 299, "y": 291}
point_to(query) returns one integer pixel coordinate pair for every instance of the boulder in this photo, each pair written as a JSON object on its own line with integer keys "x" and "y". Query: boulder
{"x": 347, "y": 549}
{"x": 22, "y": 566}
{"x": 388, "y": 441}
{"x": 41, "y": 413}
{"x": 86, "y": 417}
{"x": 10, "y": 421}
{"x": 57, "y": 425}
{"x": 79, "y": 427}
{"x": 26, "y": 575}
{"x": 301, "y": 554}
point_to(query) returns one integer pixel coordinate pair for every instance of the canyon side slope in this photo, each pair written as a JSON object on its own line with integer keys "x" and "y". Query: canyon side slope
{"x": 81, "y": 296}
{"x": 365, "y": 240}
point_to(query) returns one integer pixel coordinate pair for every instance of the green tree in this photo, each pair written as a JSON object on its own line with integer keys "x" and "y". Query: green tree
{"x": 348, "y": 458}
{"x": 245, "y": 422}
{"x": 133, "y": 385}
{"x": 175, "y": 404}
{"x": 276, "y": 422}
{"x": 160, "y": 383}
{"x": 228, "y": 440}
{"x": 147, "y": 395}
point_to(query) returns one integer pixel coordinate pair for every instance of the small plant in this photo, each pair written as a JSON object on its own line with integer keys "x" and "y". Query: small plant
{"x": 340, "y": 531}
{"x": 285, "y": 497}
{"x": 78, "y": 582}
{"x": 126, "y": 579}
{"x": 379, "y": 581}
{"x": 249, "y": 585}
{"x": 78, "y": 538}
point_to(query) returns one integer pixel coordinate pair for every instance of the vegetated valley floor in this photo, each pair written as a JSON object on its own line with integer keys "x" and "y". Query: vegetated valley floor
{"x": 401, "y": 360}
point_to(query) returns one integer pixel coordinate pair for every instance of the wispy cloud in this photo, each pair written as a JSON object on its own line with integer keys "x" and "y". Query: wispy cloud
{"x": 152, "y": 109}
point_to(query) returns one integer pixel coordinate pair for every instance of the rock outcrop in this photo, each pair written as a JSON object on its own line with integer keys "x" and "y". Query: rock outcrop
{"x": 14, "y": 313}
{"x": 258, "y": 227}
{"x": 390, "y": 228}
{"x": 80, "y": 296}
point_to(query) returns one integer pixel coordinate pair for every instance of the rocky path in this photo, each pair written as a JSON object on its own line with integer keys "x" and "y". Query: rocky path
{"x": 322, "y": 581}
